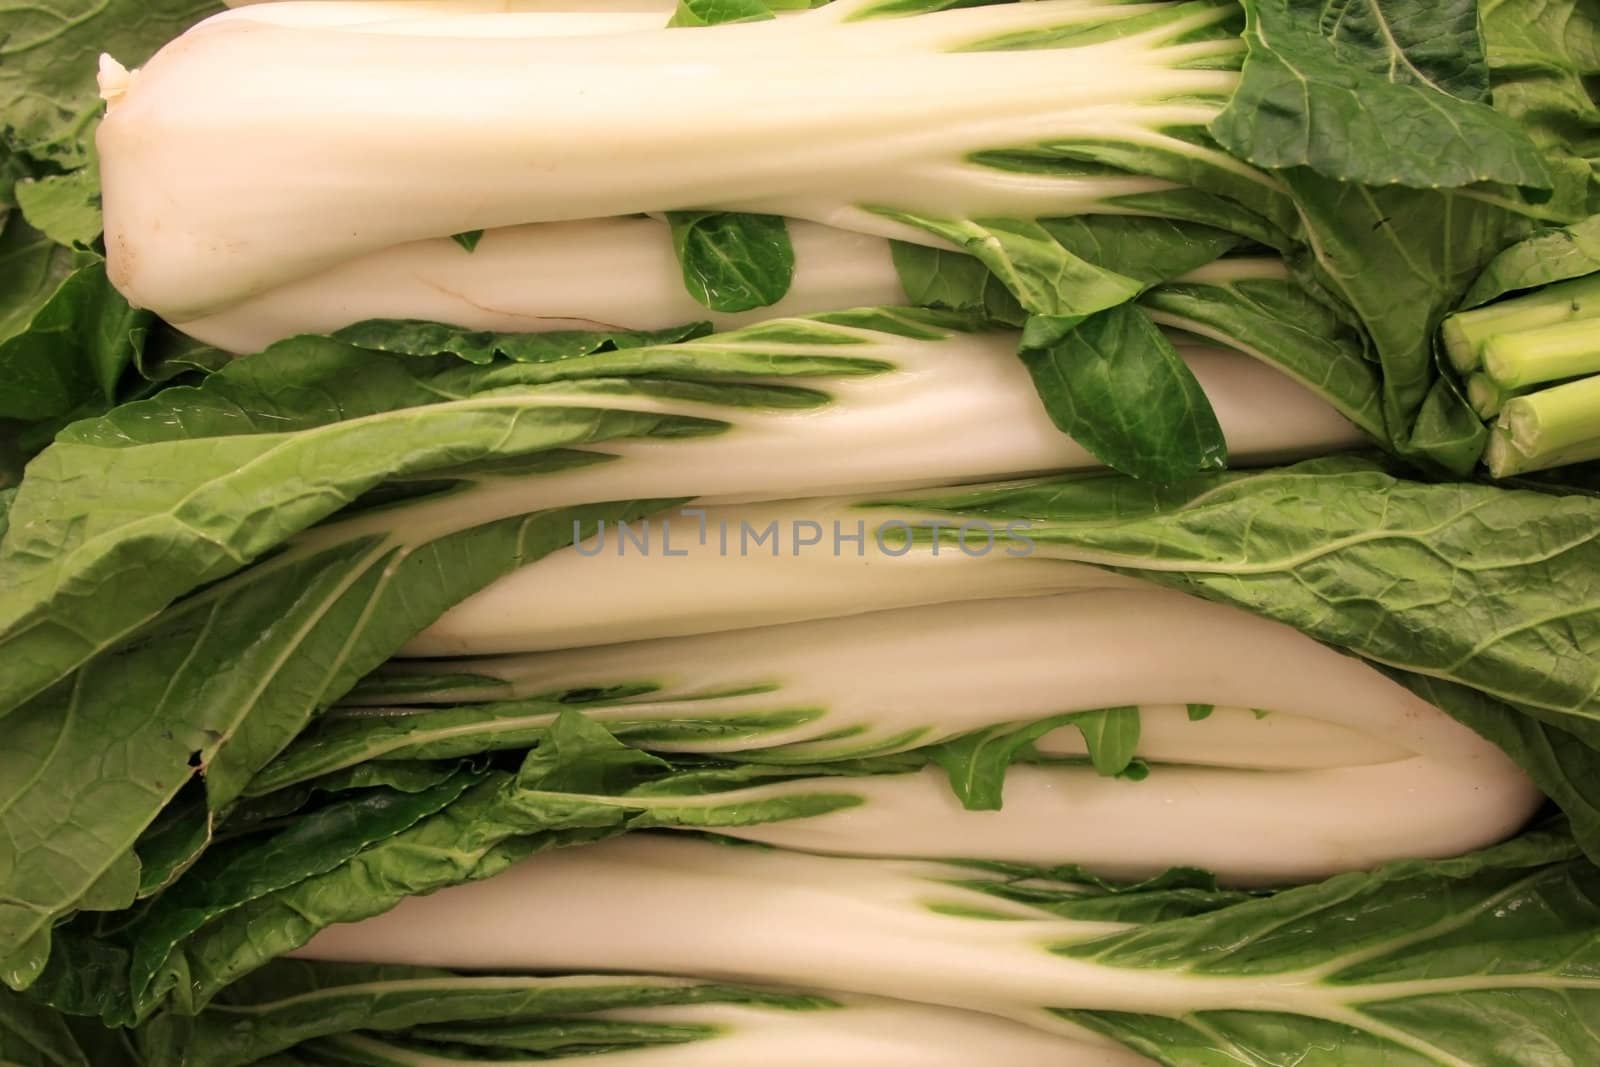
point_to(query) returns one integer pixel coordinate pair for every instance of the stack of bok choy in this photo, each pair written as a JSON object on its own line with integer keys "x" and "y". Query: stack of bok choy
{"x": 885, "y": 532}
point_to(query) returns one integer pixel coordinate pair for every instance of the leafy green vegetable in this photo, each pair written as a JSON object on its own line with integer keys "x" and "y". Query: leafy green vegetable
{"x": 291, "y": 1001}
{"x": 484, "y": 347}
{"x": 234, "y": 875}
{"x": 64, "y": 207}
{"x": 1550, "y": 255}
{"x": 1409, "y": 962}
{"x": 1377, "y": 93}
{"x": 1453, "y": 581}
{"x": 34, "y": 267}
{"x": 48, "y": 62}
{"x": 733, "y": 261}
{"x": 977, "y": 762}
{"x": 1119, "y": 388}
{"x": 1249, "y": 306}
{"x": 1539, "y": 56}
{"x": 1512, "y": 926}
{"x": 34, "y": 1036}
{"x": 74, "y": 351}
{"x": 1401, "y": 258}
{"x": 713, "y": 12}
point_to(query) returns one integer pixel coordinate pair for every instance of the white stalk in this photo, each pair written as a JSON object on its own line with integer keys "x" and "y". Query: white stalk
{"x": 458, "y": 18}
{"x": 682, "y": 906}
{"x": 964, "y": 411}
{"x": 959, "y": 409}
{"x": 617, "y": 273}
{"x": 226, "y": 172}
{"x": 909, "y": 677}
{"x": 860, "y": 1032}
{"x": 1249, "y": 827}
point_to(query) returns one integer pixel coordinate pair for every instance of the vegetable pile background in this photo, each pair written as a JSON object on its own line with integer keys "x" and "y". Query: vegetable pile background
{"x": 893, "y": 532}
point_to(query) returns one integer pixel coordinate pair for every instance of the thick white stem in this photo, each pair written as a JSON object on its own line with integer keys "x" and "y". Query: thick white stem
{"x": 460, "y": 18}
{"x": 680, "y": 906}
{"x": 595, "y": 274}
{"x": 247, "y": 155}
{"x": 861, "y": 1032}
{"x": 929, "y": 673}
{"x": 962, "y": 409}
{"x": 1249, "y": 827}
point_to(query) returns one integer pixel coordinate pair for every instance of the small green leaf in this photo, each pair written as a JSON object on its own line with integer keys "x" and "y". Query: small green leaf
{"x": 1115, "y": 384}
{"x": 419, "y": 338}
{"x": 977, "y": 762}
{"x": 64, "y": 207}
{"x": 733, "y": 261}
{"x": 75, "y": 349}
{"x": 1551, "y": 255}
{"x": 716, "y": 12}
{"x": 1198, "y": 712}
{"x": 1112, "y": 735}
{"x": 939, "y": 278}
{"x": 467, "y": 239}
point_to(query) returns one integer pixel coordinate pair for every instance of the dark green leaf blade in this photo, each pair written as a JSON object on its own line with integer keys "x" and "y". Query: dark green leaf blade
{"x": 1276, "y": 321}
{"x": 32, "y": 1035}
{"x": 1402, "y": 259}
{"x": 1384, "y": 92}
{"x": 48, "y": 56}
{"x": 1551, "y": 255}
{"x": 733, "y": 261}
{"x": 1115, "y": 384}
{"x": 419, "y": 338}
{"x": 64, "y": 207}
{"x": 716, "y": 12}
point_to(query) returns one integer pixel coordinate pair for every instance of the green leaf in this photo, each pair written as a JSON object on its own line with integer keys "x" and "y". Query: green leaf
{"x": 34, "y": 268}
{"x": 935, "y": 277}
{"x": 73, "y": 352}
{"x": 1490, "y": 588}
{"x": 733, "y": 261}
{"x": 48, "y": 62}
{"x": 1550, "y": 255}
{"x": 468, "y": 239}
{"x": 1541, "y": 59}
{"x": 32, "y": 1035}
{"x": 189, "y": 699}
{"x": 1201, "y": 712}
{"x": 336, "y": 742}
{"x": 715, "y": 12}
{"x": 176, "y": 470}
{"x": 1112, "y": 735}
{"x": 172, "y": 844}
{"x": 1402, "y": 259}
{"x": 1044, "y": 274}
{"x": 292, "y": 1001}
{"x": 419, "y": 338}
{"x": 1142, "y": 249}
{"x": 1385, "y": 92}
{"x": 1115, "y": 384}
{"x": 578, "y": 755}
{"x": 64, "y": 207}
{"x": 1276, "y": 321}
{"x": 1418, "y": 964}
{"x": 231, "y": 876}
{"x": 977, "y": 762}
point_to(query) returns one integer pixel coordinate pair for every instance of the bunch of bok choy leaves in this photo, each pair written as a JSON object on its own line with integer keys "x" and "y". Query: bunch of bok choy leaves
{"x": 879, "y": 532}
